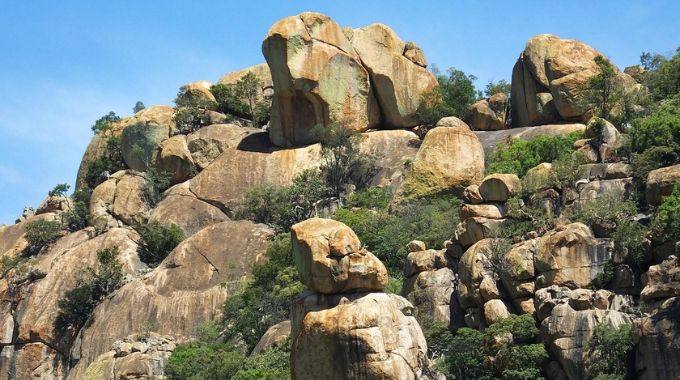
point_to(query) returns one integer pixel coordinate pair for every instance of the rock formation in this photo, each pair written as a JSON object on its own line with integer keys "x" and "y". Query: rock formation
{"x": 353, "y": 334}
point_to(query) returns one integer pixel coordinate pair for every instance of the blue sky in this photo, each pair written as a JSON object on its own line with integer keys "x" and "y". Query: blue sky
{"x": 64, "y": 64}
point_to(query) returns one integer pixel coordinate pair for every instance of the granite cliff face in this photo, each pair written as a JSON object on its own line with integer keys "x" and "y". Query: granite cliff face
{"x": 346, "y": 325}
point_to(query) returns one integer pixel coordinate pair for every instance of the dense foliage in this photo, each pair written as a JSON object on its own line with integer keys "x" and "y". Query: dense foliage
{"x": 78, "y": 217}
{"x": 59, "y": 190}
{"x": 92, "y": 285}
{"x": 607, "y": 351}
{"x": 241, "y": 99}
{"x": 502, "y": 87}
{"x": 156, "y": 181}
{"x": 666, "y": 222}
{"x": 283, "y": 206}
{"x": 157, "y": 241}
{"x": 104, "y": 123}
{"x": 110, "y": 162}
{"x": 505, "y": 350}
{"x": 517, "y": 155}
{"x": 663, "y": 75}
{"x": 453, "y": 97}
{"x": 40, "y": 233}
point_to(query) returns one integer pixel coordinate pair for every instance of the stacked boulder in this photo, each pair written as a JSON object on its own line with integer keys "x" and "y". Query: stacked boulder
{"x": 489, "y": 114}
{"x": 550, "y": 78}
{"x": 345, "y": 327}
{"x": 363, "y": 78}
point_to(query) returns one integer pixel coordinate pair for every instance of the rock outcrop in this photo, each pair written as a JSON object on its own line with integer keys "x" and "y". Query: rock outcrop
{"x": 660, "y": 183}
{"x": 549, "y": 79}
{"x": 120, "y": 200}
{"x": 343, "y": 332}
{"x": 489, "y": 114}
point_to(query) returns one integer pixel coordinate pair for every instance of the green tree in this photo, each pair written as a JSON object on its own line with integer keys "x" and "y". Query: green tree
{"x": 663, "y": 75}
{"x": 248, "y": 87}
{"x": 203, "y": 361}
{"x": 661, "y": 128}
{"x": 110, "y": 162}
{"x": 156, "y": 182}
{"x": 666, "y": 222}
{"x": 78, "y": 217}
{"x": 41, "y": 233}
{"x": 104, "y": 123}
{"x": 138, "y": 107}
{"x": 607, "y": 351}
{"x": 157, "y": 241}
{"x": 453, "y": 97}
{"x": 603, "y": 90}
{"x": 59, "y": 190}
{"x": 92, "y": 286}
{"x": 502, "y": 86}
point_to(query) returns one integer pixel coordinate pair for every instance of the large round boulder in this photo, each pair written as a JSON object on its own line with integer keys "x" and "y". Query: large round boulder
{"x": 318, "y": 80}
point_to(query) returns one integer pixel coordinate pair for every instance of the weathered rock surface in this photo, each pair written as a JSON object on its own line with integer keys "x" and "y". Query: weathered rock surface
{"x": 352, "y": 336}
{"x": 473, "y": 269}
{"x": 330, "y": 258}
{"x": 318, "y": 79}
{"x": 31, "y": 361}
{"x": 185, "y": 290}
{"x": 500, "y": 187}
{"x": 474, "y": 229}
{"x": 662, "y": 280}
{"x": 449, "y": 160}
{"x": 452, "y": 122}
{"x": 181, "y": 207}
{"x": 489, "y": 211}
{"x": 488, "y": 114}
{"x": 175, "y": 159}
{"x": 549, "y": 78}
{"x": 658, "y": 351}
{"x": 399, "y": 83}
{"x": 120, "y": 200}
{"x": 261, "y": 72}
{"x": 141, "y": 356}
{"x": 570, "y": 256}
{"x": 660, "y": 183}
{"x": 274, "y": 337}
{"x": 207, "y": 143}
{"x": 142, "y": 135}
{"x": 197, "y": 93}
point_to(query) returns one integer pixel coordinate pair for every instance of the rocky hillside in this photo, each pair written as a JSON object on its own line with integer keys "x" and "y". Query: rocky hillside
{"x": 338, "y": 213}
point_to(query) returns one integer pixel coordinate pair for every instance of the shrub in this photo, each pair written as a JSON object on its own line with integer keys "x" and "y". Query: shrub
{"x": 283, "y": 206}
{"x": 40, "y": 233}
{"x": 266, "y": 299}
{"x": 517, "y": 156}
{"x": 608, "y": 211}
{"x": 241, "y": 99}
{"x": 228, "y": 102}
{"x": 203, "y": 361}
{"x": 156, "y": 181}
{"x": 663, "y": 77}
{"x": 92, "y": 286}
{"x": 138, "y": 107}
{"x": 104, "y": 123}
{"x": 653, "y": 158}
{"x": 504, "y": 350}
{"x": 456, "y": 92}
{"x": 191, "y": 114}
{"x": 604, "y": 90}
{"x": 608, "y": 351}
{"x": 273, "y": 364}
{"x": 110, "y": 162}
{"x": 568, "y": 169}
{"x": 59, "y": 190}
{"x": 604, "y": 278}
{"x": 524, "y": 218}
{"x": 372, "y": 198}
{"x": 502, "y": 86}
{"x": 662, "y": 128}
{"x": 666, "y": 222}
{"x": 157, "y": 241}
{"x": 78, "y": 217}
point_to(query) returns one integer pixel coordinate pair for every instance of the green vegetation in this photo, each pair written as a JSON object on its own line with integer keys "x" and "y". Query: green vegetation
{"x": 111, "y": 162}
{"x": 92, "y": 286}
{"x": 505, "y": 350}
{"x": 663, "y": 75}
{"x": 666, "y": 222}
{"x": 603, "y": 90}
{"x": 266, "y": 299}
{"x": 386, "y": 234}
{"x": 517, "y": 156}
{"x": 104, "y": 123}
{"x": 241, "y": 99}
{"x": 41, "y": 233}
{"x": 502, "y": 86}
{"x": 342, "y": 163}
{"x": 191, "y": 118}
{"x": 660, "y": 129}
{"x": 138, "y": 107}
{"x": 157, "y": 241}
{"x": 78, "y": 217}
{"x": 59, "y": 190}
{"x": 607, "y": 352}
{"x": 453, "y": 97}
{"x": 156, "y": 181}
{"x": 371, "y": 197}
{"x": 283, "y": 206}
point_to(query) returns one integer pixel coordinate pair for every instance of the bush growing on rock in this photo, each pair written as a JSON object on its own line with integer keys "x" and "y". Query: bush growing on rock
{"x": 666, "y": 222}
{"x": 111, "y": 162}
{"x": 453, "y": 97}
{"x": 59, "y": 190}
{"x": 663, "y": 75}
{"x": 104, "y": 123}
{"x": 138, "y": 107}
{"x": 157, "y": 241}
{"x": 371, "y": 198}
{"x": 502, "y": 87}
{"x": 92, "y": 286}
{"x": 516, "y": 156}
{"x": 202, "y": 360}
{"x": 40, "y": 233}
{"x": 157, "y": 181}
{"x": 241, "y": 99}
{"x": 266, "y": 299}
{"x": 283, "y": 206}
{"x": 608, "y": 350}
{"x": 78, "y": 217}
{"x": 662, "y": 128}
